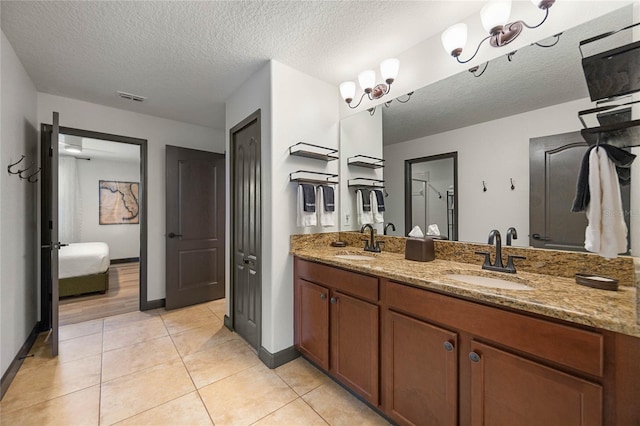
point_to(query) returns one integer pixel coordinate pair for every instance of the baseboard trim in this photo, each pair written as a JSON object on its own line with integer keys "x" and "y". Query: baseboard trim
{"x": 15, "y": 365}
{"x": 227, "y": 322}
{"x": 125, "y": 260}
{"x": 279, "y": 358}
{"x": 151, "y": 304}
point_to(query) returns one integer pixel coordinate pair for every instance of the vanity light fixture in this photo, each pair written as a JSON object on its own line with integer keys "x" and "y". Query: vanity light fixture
{"x": 387, "y": 104}
{"x": 367, "y": 80}
{"x": 494, "y": 16}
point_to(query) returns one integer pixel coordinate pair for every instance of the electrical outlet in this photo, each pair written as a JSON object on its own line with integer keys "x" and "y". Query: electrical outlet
{"x": 347, "y": 218}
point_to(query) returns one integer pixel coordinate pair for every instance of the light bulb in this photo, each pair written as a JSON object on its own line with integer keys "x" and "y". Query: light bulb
{"x": 367, "y": 80}
{"x": 347, "y": 90}
{"x": 495, "y": 14}
{"x": 389, "y": 69}
{"x": 454, "y": 39}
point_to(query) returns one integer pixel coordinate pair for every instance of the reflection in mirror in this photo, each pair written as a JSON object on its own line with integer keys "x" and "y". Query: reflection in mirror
{"x": 430, "y": 195}
{"x": 489, "y": 121}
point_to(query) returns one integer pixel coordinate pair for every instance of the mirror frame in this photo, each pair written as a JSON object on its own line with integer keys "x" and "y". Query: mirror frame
{"x": 408, "y": 204}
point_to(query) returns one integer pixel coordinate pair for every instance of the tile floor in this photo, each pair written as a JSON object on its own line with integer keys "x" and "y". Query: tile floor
{"x": 180, "y": 367}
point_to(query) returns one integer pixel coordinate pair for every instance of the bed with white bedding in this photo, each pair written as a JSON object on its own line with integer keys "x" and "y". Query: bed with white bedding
{"x": 83, "y": 268}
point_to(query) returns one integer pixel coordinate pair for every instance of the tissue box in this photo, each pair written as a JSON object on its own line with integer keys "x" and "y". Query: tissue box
{"x": 420, "y": 249}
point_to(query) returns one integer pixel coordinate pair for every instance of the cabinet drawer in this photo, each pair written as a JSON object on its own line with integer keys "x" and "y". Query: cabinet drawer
{"x": 362, "y": 286}
{"x": 572, "y": 347}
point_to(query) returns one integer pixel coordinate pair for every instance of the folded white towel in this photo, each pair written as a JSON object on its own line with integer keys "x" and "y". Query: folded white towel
{"x": 305, "y": 218}
{"x": 606, "y": 233}
{"x": 363, "y": 217}
{"x": 378, "y": 217}
{"x": 326, "y": 218}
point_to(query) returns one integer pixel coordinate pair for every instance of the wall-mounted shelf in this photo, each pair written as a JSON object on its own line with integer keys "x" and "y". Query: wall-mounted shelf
{"x": 365, "y": 161}
{"x": 303, "y": 149}
{"x": 365, "y": 183}
{"x": 307, "y": 176}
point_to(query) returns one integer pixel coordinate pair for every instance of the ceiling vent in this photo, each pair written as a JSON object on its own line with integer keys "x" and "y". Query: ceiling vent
{"x": 131, "y": 96}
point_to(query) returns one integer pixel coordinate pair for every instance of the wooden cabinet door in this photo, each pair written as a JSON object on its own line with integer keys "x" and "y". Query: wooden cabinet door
{"x": 421, "y": 372}
{"x": 509, "y": 390}
{"x": 311, "y": 311}
{"x": 355, "y": 345}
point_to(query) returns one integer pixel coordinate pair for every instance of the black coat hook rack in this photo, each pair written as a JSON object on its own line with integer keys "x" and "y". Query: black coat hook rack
{"x": 484, "y": 186}
{"x": 512, "y": 185}
{"x": 31, "y": 178}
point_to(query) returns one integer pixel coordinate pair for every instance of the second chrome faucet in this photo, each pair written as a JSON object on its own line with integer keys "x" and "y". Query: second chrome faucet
{"x": 497, "y": 265}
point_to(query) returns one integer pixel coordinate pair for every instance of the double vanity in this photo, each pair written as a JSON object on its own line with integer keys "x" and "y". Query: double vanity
{"x": 446, "y": 342}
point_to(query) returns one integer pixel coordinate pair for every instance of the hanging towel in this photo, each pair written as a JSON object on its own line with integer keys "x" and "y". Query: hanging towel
{"x": 329, "y": 198}
{"x": 379, "y": 199}
{"x": 326, "y": 209}
{"x": 364, "y": 216}
{"x": 606, "y": 233}
{"x": 309, "y": 197}
{"x": 306, "y": 218}
{"x": 622, "y": 160}
{"x": 377, "y": 214}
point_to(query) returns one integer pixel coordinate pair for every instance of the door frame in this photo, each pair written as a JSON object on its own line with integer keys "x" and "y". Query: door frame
{"x": 408, "y": 204}
{"x": 255, "y": 116}
{"x": 144, "y": 305}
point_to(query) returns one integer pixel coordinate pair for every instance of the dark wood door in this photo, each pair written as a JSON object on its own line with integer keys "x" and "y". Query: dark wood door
{"x": 311, "y": 307}
{"x": 246, "y": 228}
{"x": 509, "y": 390}
{"x": 554, "y": 167}
{"x": 49, "y": 230}
{"x": 421, "y": 372}
{"x": 195, "y": 240}
{"x": 355, "y": 349}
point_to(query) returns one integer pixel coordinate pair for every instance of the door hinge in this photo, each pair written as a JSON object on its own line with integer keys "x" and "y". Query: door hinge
{"x": 50, "y": 151}
{"x": 50, "y": 224}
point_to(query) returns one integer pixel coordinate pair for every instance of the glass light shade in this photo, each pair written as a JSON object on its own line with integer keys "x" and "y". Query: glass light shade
{"x": 367, "y": 79}
{"x": 347, "y": 90}
{"x": 454, "y": 37}
{"x": 389, "y": 69}
{"x": 495, "y": 13}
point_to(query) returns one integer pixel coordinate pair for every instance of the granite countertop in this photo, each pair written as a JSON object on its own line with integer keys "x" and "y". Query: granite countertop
{"x": 551, "y": 296}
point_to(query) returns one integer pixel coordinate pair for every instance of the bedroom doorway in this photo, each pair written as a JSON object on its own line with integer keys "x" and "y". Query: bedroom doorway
{"x": 102, "y": 216}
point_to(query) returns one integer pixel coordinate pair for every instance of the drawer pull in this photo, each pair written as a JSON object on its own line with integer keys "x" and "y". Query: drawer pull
{"x": 448, "y": 346}
{"x": 334, "y": 300}
{"x": 474, "y": 357}
{"x": 323, "y": 296}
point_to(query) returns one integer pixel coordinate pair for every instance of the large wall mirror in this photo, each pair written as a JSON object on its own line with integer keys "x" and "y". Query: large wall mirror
{"x": 490, "y": 117}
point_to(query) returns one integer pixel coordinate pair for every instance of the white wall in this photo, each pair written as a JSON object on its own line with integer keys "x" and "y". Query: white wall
{"x": 304, "y": 109}
{"x": 123, "y": 240}
{"x": 158, "y": 132}
{"x": 493, "y": 152}
{"x": 360, "y": 134}
{"x": 295, "y": 107}
{"x": 19, "y": 281}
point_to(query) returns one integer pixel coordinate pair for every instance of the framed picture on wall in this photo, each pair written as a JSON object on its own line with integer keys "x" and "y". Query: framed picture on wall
{"x": 118, "y": 202}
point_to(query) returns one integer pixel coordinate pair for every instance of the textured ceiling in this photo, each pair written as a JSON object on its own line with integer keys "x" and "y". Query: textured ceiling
{"x": 535, "y": 78}
{"x": 188, "y": 57}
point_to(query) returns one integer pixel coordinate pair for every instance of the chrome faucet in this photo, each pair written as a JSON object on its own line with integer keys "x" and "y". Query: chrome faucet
{"x": 497, "y": 265}
{"x": 393, "y": 227}
{"x": 371, "y": 245}
{"x": 511, "y": 232}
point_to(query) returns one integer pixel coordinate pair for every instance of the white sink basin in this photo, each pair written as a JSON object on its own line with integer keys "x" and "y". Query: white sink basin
{"x": 489, "y": 282}
{"x": 354, "y": 257}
